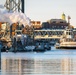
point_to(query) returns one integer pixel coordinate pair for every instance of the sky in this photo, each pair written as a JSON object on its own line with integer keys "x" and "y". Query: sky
{"x": 43, "y": 10}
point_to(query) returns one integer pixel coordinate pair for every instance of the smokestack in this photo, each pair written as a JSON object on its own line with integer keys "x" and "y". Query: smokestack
{"x": 23, "y": 5}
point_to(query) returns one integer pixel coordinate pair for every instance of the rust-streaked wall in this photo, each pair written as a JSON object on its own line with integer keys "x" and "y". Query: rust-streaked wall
{"x": 0, "y": 24}
{"x": 36, "y": 24}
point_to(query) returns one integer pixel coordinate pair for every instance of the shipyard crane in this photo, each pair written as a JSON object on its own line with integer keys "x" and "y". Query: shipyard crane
{"x": 14, "y": 5}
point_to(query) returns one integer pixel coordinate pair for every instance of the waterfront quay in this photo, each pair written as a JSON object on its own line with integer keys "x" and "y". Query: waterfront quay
{"x": 48, "y": 37}
{"x": 22, "y": 37}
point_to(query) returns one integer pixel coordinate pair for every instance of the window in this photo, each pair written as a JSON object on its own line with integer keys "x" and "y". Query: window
{"x": 61, "y": 22}
{"x": 54, "y": 21}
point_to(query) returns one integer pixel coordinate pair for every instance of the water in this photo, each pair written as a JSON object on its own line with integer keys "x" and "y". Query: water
{"x": 55, "y": 62}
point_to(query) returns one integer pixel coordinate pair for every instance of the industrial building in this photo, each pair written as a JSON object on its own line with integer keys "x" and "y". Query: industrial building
{"x": 56, "y": 23}
{"x": 36, "y": 24}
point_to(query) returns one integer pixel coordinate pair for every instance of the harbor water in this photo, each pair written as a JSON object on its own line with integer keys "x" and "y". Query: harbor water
{"x": 53, "y": 62}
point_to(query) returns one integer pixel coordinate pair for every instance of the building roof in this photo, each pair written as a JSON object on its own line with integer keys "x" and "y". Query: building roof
{"x": 57, "y": 21}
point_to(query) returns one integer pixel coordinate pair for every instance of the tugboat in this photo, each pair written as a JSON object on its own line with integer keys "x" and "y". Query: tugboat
{"x": 67, "y": 41}
{"x": 39, "y": 47}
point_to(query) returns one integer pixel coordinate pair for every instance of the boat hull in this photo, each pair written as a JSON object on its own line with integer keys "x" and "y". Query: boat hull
{"x": 64, "y": 47}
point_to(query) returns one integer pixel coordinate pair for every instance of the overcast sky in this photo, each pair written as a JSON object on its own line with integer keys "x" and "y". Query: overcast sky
{"x": 43, "y": 10}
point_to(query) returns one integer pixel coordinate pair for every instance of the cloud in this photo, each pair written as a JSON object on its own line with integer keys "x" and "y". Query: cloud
{"x": 14, "y": 17}
{"x": 1, "y": 6}
{"x": 3, "y": 18}
{"x": 18, "y": 17}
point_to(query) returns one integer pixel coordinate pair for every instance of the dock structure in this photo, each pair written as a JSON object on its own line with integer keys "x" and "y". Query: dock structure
{"x": 50, "y": 34}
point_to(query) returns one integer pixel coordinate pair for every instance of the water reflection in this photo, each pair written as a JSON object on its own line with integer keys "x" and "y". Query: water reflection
{"x": 37, "y": 65}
